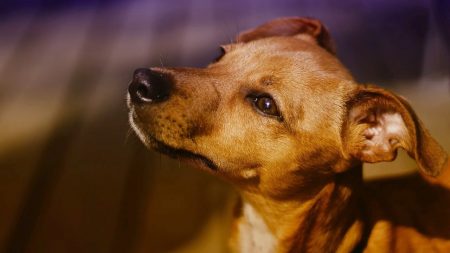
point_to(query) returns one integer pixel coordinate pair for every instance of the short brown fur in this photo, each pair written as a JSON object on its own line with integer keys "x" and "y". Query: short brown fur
{"x": 300, "y": 174}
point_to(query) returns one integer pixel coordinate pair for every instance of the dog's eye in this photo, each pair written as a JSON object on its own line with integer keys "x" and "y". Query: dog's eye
{"x": 266, "y": 105}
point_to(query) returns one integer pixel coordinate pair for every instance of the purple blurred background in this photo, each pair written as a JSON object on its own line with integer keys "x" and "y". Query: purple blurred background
{"x": 73, "y": 178}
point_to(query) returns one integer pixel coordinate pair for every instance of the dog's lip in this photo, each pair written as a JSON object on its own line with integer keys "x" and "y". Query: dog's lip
{"x": 173, "y": 152}
{"x": 182, "y": 153}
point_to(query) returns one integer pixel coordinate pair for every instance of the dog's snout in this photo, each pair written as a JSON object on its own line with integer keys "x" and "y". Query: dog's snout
{"x": 149, "y": 86}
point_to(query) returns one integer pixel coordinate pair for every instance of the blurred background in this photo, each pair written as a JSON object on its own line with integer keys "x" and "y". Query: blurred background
{"x": 74, "y": 178}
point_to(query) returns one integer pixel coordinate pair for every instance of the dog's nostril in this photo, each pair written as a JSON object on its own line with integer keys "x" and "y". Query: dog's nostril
{"x": 149, "y": 86}
{"x": 142, "y": 90}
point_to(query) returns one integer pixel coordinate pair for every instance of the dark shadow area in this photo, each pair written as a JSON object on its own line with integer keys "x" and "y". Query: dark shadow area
{"x": 409, "y": 202}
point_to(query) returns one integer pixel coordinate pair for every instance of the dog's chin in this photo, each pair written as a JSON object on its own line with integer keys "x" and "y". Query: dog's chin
{"x": 151, "y": 142}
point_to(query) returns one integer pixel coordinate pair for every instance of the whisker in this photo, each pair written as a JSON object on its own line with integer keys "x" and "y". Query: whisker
{"x": 161, "y": 61}
{"x": 128, "y": 134}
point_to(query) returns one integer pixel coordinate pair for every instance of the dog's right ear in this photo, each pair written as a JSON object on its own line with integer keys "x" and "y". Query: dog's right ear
{"x": 378, "y": 123}
{"x": 292, "y": 26}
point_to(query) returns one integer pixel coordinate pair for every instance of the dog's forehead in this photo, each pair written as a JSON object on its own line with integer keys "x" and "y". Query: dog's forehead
{"x": 284, "y": 57}
{"x": 263, "y": 50}
{"x": 277, "y": 43}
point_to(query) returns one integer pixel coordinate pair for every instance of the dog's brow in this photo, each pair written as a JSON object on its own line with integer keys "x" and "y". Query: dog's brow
{"x": 266, "y": 80}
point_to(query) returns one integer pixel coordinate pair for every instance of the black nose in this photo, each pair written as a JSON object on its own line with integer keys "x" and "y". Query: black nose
{"x": 149, "y": 86}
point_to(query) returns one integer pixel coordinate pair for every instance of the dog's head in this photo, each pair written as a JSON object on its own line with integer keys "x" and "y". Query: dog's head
{"x": 276, "y": 112}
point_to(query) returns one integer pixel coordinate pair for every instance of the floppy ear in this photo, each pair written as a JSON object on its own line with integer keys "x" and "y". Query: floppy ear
{"x": 291, "y": 27}
{"x": 379, "y": 122}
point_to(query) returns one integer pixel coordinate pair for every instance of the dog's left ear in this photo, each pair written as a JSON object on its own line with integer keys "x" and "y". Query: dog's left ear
{"x": 292, "y": 26}
{"x": 379, "y": 122}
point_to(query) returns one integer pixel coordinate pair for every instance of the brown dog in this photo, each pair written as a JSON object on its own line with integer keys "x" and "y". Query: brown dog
{"x": 279, "y": 117}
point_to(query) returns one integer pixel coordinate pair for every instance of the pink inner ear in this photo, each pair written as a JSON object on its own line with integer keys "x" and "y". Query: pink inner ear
{"x": 380, "y": 122}
{"x": 386, "y": 132}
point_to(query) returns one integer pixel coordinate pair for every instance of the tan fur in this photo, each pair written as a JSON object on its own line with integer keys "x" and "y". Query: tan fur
{"x": 301, "y": 177}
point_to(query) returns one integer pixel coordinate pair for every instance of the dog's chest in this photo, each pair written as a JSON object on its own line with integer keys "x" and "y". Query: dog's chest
{"x": 254, "y": 235}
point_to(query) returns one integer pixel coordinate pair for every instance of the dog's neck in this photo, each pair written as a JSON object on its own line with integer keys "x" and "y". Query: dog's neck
{"x": 317, "y": 224}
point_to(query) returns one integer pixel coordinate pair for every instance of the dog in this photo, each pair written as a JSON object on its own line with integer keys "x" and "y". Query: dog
{"x": 280, "y": 118}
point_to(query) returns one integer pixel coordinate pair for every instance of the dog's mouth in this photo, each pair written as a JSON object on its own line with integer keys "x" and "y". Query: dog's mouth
{"x": 177, "y": 153}
{"x": 182, "y": 153}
